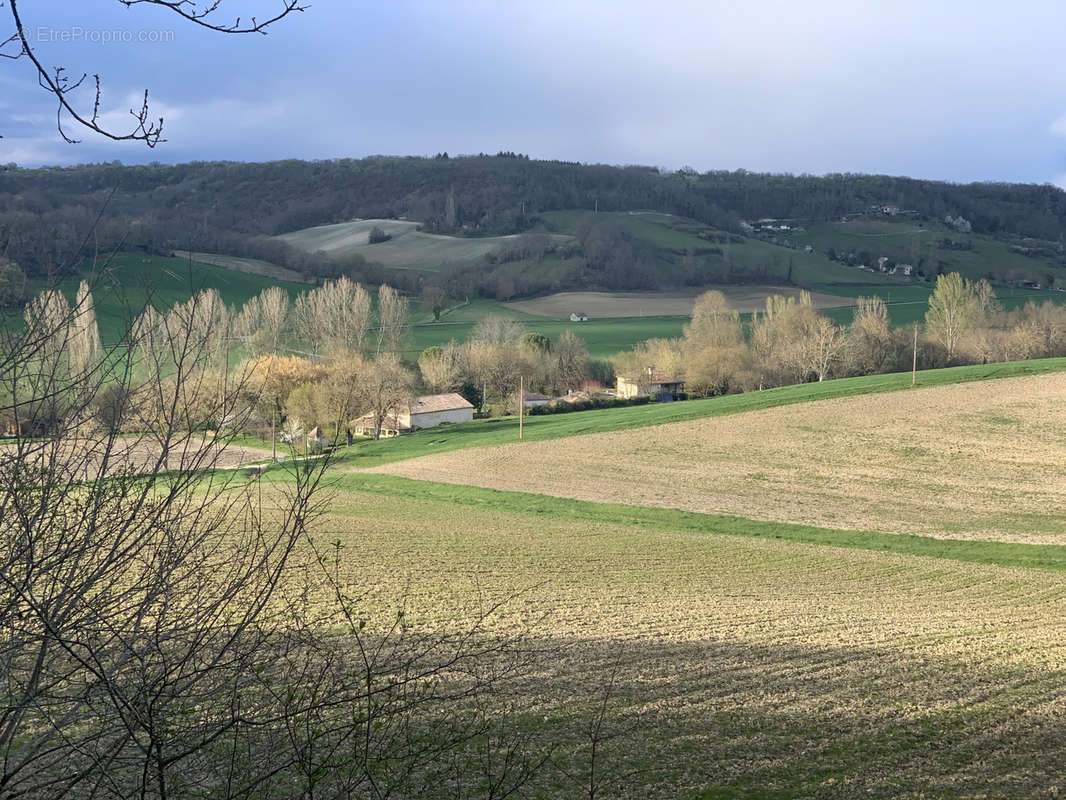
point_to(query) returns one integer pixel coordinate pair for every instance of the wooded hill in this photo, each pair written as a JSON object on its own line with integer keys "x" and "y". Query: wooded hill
{"x": 47, "y": 215}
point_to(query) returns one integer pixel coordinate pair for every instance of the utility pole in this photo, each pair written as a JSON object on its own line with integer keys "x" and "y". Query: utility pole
{"x": 914, "y": 362}
{"x": 521, "y": 404}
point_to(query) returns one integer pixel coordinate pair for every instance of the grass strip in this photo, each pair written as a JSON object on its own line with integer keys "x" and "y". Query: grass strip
{"x": 485, "y": 433}
{"x": 1003, "y": 554}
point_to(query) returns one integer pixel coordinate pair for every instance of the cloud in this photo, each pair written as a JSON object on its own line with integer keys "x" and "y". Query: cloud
{"x": 907, "y": 88}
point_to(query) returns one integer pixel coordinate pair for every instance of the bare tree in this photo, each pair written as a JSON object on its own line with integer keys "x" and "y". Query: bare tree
{"x": 495, "y": 329}
{"x": 822, "y": 346}
{"x": 274, "y": 307}
{"x": 715, "y": 323}
{"x": 311, "y": 320}
{"x": 569, "y": 361}
{"x": 347, "y": 305}
{"x": 248, "y": 322}
{"x": 156, "y": 634}
{"x": 953, "y": 309}
{"x": 79, "y": 99}
{"x": 714, "y": 350}
{"x": 132, "y": 581}
{"x": 385, "y": 389}
{"x": 392, "y": 320}
{"x": 263, "y": 320}
{"x": 85, "y": 335}
{"x": 442, "y": 367}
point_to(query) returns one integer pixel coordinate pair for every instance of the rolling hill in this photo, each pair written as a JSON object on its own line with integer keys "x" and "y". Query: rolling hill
{"x": 407, "y": 248}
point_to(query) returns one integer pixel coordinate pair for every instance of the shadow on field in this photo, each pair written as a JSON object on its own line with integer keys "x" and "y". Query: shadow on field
{"x": 720, "y": 719}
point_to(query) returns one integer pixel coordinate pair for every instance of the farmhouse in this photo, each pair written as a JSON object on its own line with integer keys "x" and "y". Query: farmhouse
{"x": 579, "y": 316}
{"x": 427, "y": 411}
{"x": 650, "y": 382}
{"x": 533, "y": 399}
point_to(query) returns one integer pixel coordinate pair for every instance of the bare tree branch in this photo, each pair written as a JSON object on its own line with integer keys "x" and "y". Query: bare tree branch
{"x": 64, "y": 87}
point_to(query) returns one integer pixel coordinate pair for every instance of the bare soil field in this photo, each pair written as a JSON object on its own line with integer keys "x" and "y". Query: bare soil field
{"x": 251, "y": 266}
{"x": 341, "y": 237}
{"x": 983, "y": 460}
{"x": 409, "y": 248}
{"x": 659, "y": 304}
{"x": 737, "y": 664}
{"x": 141, "y": 455}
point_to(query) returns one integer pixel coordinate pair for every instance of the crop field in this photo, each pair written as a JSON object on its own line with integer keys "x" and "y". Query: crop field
{"x": 983, "y": 460}
{"x": 639, "y": 304}
{"x": 730, "y": 657}
{"x": 738, "y": 667}
{"x": 252, "y": 266}
{"x": 408, "y": 248}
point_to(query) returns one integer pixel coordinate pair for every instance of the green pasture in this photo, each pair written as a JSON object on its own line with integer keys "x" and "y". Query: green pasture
{"x": 126, "y": 282}
{"x": 604, "y": 337}
{"x": 677, "y": 238}
{"x": 908, "y": 241}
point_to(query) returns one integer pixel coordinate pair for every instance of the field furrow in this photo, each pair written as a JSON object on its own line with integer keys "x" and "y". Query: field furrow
{"x": 984, "y": 460}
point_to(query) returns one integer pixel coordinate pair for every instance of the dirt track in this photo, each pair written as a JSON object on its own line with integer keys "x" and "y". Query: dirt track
{"x": 85, "y": 458}
{"x": 653, "y": 304}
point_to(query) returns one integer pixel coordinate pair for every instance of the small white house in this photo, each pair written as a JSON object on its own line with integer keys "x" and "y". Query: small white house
{"x": 649, "y": 382}
{"x": 533, "y": 399}
{"x": 579, "y": 316}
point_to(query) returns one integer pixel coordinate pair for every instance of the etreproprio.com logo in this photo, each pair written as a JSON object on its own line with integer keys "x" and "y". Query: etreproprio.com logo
{"x": 100, "y": 35}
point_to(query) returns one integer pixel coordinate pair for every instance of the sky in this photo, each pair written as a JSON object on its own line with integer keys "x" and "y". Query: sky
{"x": 959, "y": 91}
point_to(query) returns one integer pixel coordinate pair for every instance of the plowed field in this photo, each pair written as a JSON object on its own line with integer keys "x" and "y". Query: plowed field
{"x": 982, "y": 460}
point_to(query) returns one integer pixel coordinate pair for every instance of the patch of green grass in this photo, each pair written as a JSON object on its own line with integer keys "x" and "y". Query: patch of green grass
{"x": 995, "y": 420}
{"x": 909, "y": 241}
{"x": 482, "y": 433}
{"x": 1004, "y": 554}
{"x": 604, "y": 337}
{"x": 126, "y": 281}
{"x": 674, "y": 238}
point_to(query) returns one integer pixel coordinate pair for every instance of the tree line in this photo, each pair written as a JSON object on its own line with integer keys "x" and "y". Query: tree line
{"x": 790, "y": 341}
{"x": 172, "y": 627}
{"x": 235, "y": 208}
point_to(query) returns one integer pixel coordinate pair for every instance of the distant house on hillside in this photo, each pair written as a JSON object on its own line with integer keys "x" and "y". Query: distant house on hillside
{"x": 427, "y": 411}
{"x": 316, "y": 439}
{"x": 649, "y": 382}
{"x": 902, "y": 269}
{"x": 579, "y": 316}
{"x": 533, "y": 399}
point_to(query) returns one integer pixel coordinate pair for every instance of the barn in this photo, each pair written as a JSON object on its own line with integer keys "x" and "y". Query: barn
{"x": 427, "y": 411}
{"x": 431, "y": 410}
